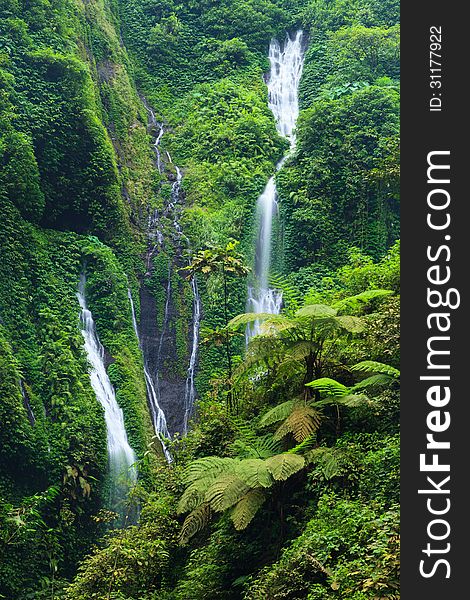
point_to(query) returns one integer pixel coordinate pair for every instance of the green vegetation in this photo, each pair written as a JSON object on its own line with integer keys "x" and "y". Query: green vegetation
{"x": 286, "y": 486}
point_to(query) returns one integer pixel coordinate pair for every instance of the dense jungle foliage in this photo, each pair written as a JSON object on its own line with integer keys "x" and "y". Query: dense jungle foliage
{"x": 287, "y": 483}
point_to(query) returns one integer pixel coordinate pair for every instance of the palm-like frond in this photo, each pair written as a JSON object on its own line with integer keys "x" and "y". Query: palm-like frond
{"x": 254, "y": 473}
{"x": 351, "y": 324}
{"x": 304, "y": 446}
{"x": 225, "y": 491}
{"x": 326, "y": 385}
{"x": 263, "y": 447}
{"x": 195, "y": 522}
{"x": 208, "y": 468}
{"x": 282, "y": 466}
{"x": 317, "y": 311}
{"x": 247, "y": 318}
{"x": 374, "y": 381}
{"x": 193, "y": 496}
{"x": 246, "y": 509}
{"x": 278, "y": 413}
{"x": 374, "y": 367}
{"x": 302, "y": 422}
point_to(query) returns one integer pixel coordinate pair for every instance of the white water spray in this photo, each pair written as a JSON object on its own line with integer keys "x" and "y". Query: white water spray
{"x": 121, "y": 457}
{"x": 283, "y": 84}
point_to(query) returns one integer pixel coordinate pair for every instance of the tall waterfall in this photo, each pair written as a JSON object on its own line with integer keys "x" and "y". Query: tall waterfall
{"x": 121, "y": 457}
{"x": 156, "y": 412}
{"x": 283, "y": 84}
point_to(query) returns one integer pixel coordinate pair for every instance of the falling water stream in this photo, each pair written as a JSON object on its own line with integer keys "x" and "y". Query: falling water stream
{"x": 156, "y": 412}
{"x": 190, "y": 389}
{"x": 157, "y": 241}
{"x": 121, "y": 457}
{"x": 283, "y": 84}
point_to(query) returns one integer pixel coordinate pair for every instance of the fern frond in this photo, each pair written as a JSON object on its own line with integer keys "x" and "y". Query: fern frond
{"x": 192, "y": 497}
{"x": 374, "y": 367}
{"x": 316, "y": 310}
{"x": 351, "y": 324}
{"x": 278, "y": 413}
{"x": 263, "y": 447}
{"x": 277, "y": 324}
{"x": 245, "y": 431}
{"x": 301, "y": 423}
{"x": 283, "y": 466}
{"x": 374, "y": 381}
{"x": 359, "y": 301}
{"x": 195, "y": 522}
{"x": 225, "y": 491}
{"x": 299, "y": 349}
{"x": 254, "y": 472}
{"x": 304, "y": 446}
{"x": 208, "y": 467}
{"x": 246, "y": 509}
{"x": 329, "y": 386}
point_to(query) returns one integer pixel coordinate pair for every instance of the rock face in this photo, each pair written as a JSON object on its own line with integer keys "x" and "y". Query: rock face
{"x": 159, "y": 348}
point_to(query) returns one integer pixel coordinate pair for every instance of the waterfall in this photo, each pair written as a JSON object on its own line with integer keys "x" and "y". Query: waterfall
{"x": 27, "y": 404}
{"x": 158, "y": 138}
{"x": 283, "y": 84}
{"x": 190, "y": 390}
{"x": 159, "y": 388}
{"x": 156, "y": 412}
{"x": 121, "y": 457}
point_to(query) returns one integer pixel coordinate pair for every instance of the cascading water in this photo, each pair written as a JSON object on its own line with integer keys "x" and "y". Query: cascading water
{"x": 121, "y": 457}
{"x": 164, "y": 390}
{"x": 283, "y": 84}
{"x": 27, "y": 404}
{"x": 190, "y": 390}
{"x": 156, "y": 412}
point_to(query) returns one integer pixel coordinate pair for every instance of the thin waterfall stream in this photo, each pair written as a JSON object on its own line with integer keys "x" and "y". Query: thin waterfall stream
{"x": 158, "y": 239}
{"x": 283, "y": 85}
{"x": 121, "y": 457}
{"x": 156, "y": 412}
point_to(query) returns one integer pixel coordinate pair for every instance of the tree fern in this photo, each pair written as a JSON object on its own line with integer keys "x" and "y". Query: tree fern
{"x": 374, "y": 381}
{"x": 208, "y": 467}
{"x": 374, "y": 367}
{"x": 304, "y": 446}
{"x": 246, "y": 509}
{"x": 303, "y": 421}
{"x": 278, "y": 413}
{"x": 351, "y": 324}
{"x": 193, "y": 496}
{"x": 226, "y": 491}
{"x": 282, "y": 466}
{"x": 254, "y": 473}
{"x": 316, "y": 310}
{"x": 329, "y": 386}
{"x": 197, "y": 520}
{"x": 263, "y": 447}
